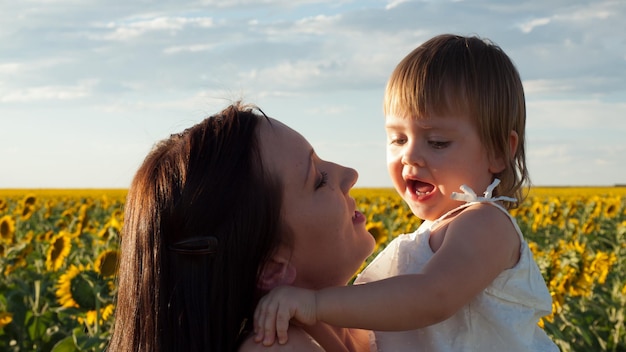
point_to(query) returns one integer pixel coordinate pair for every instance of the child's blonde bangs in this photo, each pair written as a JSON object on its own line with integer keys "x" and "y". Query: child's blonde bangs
{"x": 416, "y": 91}
{"x": 400, "y": 101}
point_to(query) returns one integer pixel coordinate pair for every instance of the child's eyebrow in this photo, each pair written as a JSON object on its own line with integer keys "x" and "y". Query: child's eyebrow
{"x": 397, "y": 123}
{"x": 419, "y": 123}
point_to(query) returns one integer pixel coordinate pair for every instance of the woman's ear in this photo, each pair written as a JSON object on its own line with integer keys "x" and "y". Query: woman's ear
{"x": 277, "y": 271}
{"x": 498, "y": 164}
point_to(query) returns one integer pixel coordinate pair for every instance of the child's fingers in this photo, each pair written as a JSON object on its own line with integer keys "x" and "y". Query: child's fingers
{"x": 273, "y": 314}
{"x": 258, "y": 313}
{"x": 262, "y": 316}
{"x": 268, "y": 323}
{"x": 282, "y": 325}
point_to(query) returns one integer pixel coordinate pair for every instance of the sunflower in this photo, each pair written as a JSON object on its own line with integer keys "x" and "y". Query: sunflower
{"x": 61, "y": 224}
{"x": 5, "y": 319}
{"x": 28, "y": 237}
{"x": 27, "y": 212}
{"x": 29, "y": 200}
{"x": 3, "y": 205}
{"x": 7, "y": 229}
{"x": 589, "y": 227}
{"x": 59, "y": 249}
{"x": 117, "y": 215}
{"x": 612, "y": 207}
{"x": 537, "y": 208}
{"x": 107, "y": 262}
{"x": 45, "y": 237}
{"x": 111, "y": 227}
{"x": 18, "y": 263}
{"x": 79, "y": 288}
{"x": 74, "y": 288}
{"x": 48, "y": 206}
{"x": 82, "y": 220}
{"x": 377, "y": 229}
{"x": 90, "y": 317}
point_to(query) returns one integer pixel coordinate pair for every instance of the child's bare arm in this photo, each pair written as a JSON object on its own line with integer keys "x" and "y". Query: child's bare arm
{"x": 380, "y": 305}
{"x": 468, "y": 260}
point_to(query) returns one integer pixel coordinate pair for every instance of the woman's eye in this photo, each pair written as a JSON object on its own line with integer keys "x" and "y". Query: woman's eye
{"x": 322, "y": 180}
{"x": 438, "y": 144}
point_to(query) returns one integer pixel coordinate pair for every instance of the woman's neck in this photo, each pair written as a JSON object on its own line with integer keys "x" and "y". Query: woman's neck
{"x": 339, "y": 339}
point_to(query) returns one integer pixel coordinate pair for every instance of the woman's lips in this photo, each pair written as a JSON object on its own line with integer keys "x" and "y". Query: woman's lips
{"x": 358, "y": 217}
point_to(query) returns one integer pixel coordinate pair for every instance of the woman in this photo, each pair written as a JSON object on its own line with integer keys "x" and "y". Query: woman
{"x": 220, "y": 214}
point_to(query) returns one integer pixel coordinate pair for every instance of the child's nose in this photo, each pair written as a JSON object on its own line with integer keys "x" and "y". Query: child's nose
{"x": 412, "y": 155}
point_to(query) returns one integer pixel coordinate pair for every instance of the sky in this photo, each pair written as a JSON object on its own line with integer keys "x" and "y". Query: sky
{"x": 87, "y": 87}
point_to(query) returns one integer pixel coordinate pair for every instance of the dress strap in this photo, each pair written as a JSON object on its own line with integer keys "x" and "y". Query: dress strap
{"x": 470, "y": 197}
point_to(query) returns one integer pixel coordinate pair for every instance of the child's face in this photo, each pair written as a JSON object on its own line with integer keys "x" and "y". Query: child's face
{"x": 431, "y": 157}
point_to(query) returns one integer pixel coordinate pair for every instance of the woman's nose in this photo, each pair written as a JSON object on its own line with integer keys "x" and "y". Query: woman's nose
{"x": 348, "y": 179}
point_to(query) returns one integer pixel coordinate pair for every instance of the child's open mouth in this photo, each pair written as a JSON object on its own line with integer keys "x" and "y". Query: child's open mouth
{"x": 420, "y": 188}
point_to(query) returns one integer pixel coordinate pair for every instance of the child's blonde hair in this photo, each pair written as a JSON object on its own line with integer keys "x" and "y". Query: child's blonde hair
{"x": 454, "y": 74}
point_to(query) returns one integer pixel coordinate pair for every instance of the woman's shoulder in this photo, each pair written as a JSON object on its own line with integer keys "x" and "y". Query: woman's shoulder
{"x": 299, "y": 340}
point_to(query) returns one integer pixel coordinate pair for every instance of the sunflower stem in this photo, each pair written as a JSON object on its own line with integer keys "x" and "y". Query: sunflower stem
{"x": 98, "y": 304}
{"x": 37, "y": 294}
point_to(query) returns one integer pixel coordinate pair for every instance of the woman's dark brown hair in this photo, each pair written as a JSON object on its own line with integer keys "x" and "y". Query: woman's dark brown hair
{"x": 201, "y": 219}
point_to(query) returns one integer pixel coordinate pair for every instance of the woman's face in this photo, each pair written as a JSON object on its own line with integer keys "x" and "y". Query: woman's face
{"x": 330, "y": 241}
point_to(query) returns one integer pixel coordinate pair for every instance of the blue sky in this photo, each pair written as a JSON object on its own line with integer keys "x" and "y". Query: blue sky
{"x": 88, "y": 86}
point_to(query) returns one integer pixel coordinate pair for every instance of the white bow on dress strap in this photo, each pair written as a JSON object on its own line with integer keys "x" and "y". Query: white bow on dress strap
{"x": 469, "y": 195}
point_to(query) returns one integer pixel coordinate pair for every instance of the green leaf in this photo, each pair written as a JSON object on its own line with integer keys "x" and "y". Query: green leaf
{"x": 86, "y": 342}
{"x": 65, "y": 345}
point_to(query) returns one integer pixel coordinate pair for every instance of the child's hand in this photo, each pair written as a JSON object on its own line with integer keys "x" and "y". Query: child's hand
{"x": 276, "y": 309}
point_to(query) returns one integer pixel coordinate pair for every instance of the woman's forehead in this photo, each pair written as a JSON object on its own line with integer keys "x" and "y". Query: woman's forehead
{"x": 283, "y": 149}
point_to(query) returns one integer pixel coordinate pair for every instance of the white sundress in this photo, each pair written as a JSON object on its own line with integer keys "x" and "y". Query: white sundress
{"x": 501, "y": 318}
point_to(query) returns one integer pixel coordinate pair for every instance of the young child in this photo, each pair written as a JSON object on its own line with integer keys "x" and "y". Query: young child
{"x": 466, "y": 279}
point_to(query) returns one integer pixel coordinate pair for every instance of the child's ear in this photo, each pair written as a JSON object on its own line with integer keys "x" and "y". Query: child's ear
{"x": 498, "y": 164}
{"x": 277, "y": 271}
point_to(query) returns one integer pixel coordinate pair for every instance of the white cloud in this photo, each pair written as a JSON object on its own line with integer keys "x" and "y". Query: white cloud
{"x": 591, "y": 12}
{"x": 538, "y": 86}
{"x": 193, "y": 48}
{"x": 135, "y": 27}
{"x": 288, "y": 74}
{"x": 584, "y": 115}
{"x": 13, "y": 68}
{"x": 290, "y": 30}
{"x": 305, "y": 62}
{"x": 575, "y": 162}
{"x": 30, "y": 94}
{"x": 394, "y": 3}
{"x": 528, "y": 26}
{"x": 319, "y": 24}
{"x": 586, "y": 14}
{"x": 10, "y": 67}
{"x": 266, "y": 3}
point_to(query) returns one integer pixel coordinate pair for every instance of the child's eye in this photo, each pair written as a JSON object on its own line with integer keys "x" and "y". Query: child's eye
{"x": 322, "y": 180}
{"x": 439, "y": 144}
{"x": 397, "y": 140}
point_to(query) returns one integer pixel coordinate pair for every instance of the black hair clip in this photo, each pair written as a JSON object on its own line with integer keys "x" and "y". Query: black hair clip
{"x": 195, "y": 245}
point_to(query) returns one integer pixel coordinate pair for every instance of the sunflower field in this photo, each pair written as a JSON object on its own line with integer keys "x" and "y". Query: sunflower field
{"x": 59, "y": 252}
{"x": 58, "y": 261}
